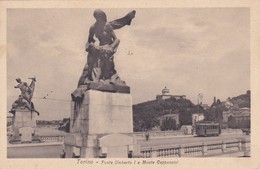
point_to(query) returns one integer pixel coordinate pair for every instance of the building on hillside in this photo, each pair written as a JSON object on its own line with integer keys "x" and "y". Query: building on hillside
{"x": 53, "y": 124}
{"x": 197, "y": 117}
{"x": 216, "y": 103}
{"x": 166, "y": 95}
{"x": 205, "y": 106}
{"x": 170, "y": 117}
{"x": 10, "y": 119}
{"x": 237, "y": 118}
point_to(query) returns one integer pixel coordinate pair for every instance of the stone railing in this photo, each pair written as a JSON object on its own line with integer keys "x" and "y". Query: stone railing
{"x": 199, "y": 149}
{"x": 154, "y": 134}
{"x": 159, "y": 134}
{"x": 51, "y": 138}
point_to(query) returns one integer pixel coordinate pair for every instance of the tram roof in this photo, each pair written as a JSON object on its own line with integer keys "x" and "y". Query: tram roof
{"x": 208, "y": 123}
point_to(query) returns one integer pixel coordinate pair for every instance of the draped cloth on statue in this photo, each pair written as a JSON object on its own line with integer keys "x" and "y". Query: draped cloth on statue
{"x": 126, "y": 20}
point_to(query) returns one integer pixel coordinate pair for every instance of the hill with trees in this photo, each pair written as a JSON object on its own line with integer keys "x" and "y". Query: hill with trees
{"x": 146, "y": 115}
{"x": 242, "y": 100}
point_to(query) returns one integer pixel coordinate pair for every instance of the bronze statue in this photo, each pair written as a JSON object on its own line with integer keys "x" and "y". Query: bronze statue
{"x": 100, "y": 65}
{"x": 26, "y": 91}
{"x": 24, "y": 100}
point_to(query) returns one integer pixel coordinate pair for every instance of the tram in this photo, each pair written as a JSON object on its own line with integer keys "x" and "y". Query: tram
{"x": 208, "y": 129}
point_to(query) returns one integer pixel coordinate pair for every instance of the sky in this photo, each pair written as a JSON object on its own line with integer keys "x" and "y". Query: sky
{"x": 189, "y": 50}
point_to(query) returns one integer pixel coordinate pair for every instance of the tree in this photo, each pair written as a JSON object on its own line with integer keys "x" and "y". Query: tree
{"x": 231, "y": 122}
{"x": 169, "y": 124}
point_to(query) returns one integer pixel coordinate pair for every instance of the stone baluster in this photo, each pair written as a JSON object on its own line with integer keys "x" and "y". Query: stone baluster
{"x": 224, "y": 147}
{"x": 245, "y": 147}
{"x": 69, "y": 151}
{"x": 239, "y": 145}
{"x": 204, "y": 149}
{"x": 154, "y": 154}
{"x": 181, "y": 151}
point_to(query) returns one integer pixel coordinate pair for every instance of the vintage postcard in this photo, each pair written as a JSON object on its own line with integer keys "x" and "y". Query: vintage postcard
{"x": 101, "y": 84}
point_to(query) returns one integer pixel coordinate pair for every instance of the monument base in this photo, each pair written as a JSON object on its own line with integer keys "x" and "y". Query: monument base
{"x": 100, "y": 146}
{"x": 98, "y": 125}
{"x": 102, "y": 113}
{"x": 24, "y": 124}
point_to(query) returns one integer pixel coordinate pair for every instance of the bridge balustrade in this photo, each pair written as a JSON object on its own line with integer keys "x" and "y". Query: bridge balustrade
{"x": 51, "y": 138}
{"x": 200, "y": 149}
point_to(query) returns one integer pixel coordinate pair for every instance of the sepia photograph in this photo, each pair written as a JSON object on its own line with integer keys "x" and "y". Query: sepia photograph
{"x": 129, "y": 86}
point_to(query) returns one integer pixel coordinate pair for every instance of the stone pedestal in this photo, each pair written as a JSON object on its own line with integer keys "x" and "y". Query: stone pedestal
{"x": 24, "y": 118}
{"x": 115, "y": 145}
{"x": 98, "y": 123}
{"x": 26, "y": 134}
{"x": 24, "y": 124}
{"x": 102, "y": 112}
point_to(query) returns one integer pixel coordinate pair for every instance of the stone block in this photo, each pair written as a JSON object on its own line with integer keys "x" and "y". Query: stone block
{"x": 115, "y": 140}
{"x": 73, "y": 139}
{"x": 89, "y": 152}
{"x": 24, "y": 118}
{"x": 69, "y": 151}
{"x": 26, "y": 134}
{"x": 103, "y": 112}
{"x": 109, "y": 87}
{"x": 117, "y": 152}
{"x": 78, "y": 140}
{"x": 115, "y": 145}
{"x": 136, "y": 150}
{"x": 97, "y": 122}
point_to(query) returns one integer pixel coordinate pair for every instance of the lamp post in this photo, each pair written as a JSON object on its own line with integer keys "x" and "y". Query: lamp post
{"x": 200, "y": 97}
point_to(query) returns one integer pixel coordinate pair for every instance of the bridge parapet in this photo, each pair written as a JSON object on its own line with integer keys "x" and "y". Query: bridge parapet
{"x": 239, "y": 146}
{"x": 51, "y": 138}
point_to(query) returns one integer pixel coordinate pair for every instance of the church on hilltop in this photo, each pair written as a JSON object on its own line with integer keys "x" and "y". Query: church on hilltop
{"x": 166, "y": 95}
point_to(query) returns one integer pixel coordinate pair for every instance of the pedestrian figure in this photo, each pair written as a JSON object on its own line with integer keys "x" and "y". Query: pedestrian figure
{"x": 147, "y": 135}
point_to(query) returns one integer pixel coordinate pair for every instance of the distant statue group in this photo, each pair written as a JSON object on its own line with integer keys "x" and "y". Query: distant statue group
{"x": 100, "y": 65}
{"x": 24, "y": 100}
